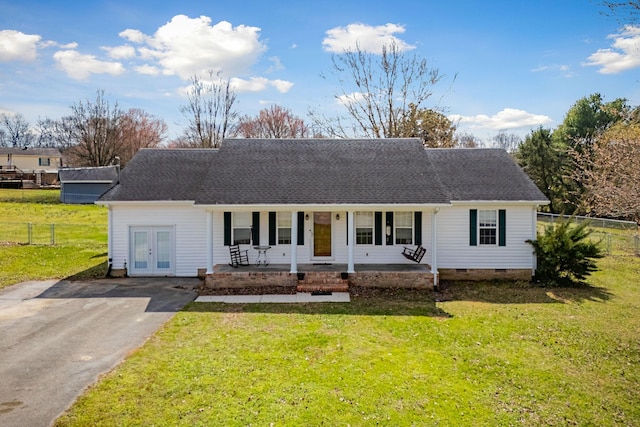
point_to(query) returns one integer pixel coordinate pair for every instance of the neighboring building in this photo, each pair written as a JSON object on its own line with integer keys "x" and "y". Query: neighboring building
{"x": 36, "y": 165}
{"x": 353, "y": 204}
{"x": 85, "y": 185}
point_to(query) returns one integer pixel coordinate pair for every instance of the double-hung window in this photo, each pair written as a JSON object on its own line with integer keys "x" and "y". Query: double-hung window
{"x": 404, "y": 228}
{"x": 284, "y": 228}
{"x": 487, "y": 227}
{"x": 364, "y": 228}
{"x": 242, "y": 228}
{"x": 44, "y": 161}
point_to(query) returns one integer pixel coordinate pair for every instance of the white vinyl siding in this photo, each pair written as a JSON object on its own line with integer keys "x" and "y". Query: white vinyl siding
{"x": 454, "y": 250}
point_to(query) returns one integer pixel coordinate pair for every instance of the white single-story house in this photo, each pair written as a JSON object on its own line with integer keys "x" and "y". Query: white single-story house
{"x": 348, "y": 205}
{"x": 86, "y": 184}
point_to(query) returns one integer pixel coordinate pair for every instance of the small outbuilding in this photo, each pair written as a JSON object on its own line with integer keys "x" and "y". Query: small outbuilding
{"x": 85, "y": 185}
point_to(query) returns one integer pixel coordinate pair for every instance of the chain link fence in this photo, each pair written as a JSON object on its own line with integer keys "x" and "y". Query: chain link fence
{"x": 617, "y": 237}
{"x": 51, "y": 234}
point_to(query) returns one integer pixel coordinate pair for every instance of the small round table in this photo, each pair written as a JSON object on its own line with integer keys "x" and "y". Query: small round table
{"x": 262, "y": 255}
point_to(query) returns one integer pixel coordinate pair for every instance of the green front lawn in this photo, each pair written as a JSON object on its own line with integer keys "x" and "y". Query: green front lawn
{"x": 79, "y": 237}
{"x": 486, "y": 355}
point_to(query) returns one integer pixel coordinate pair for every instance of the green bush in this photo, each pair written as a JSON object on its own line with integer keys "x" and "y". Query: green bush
{"x": 565, "y": 254}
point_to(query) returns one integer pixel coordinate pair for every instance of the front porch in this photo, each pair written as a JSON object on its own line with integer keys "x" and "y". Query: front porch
{"x": 322, "y": 277}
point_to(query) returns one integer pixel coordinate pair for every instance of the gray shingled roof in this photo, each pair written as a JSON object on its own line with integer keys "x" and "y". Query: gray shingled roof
{"x": 322, "y": 171}
{"x": 49, "y": 152}
{"x": 98, "y": 174}
{"x": 483, "y": 174}
{"x": 162, "y": 174}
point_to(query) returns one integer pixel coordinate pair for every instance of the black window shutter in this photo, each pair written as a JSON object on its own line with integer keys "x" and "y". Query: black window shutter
{"x": 378, "y": 225}
{"x": 272, "y": 228}
{"x": 473, "y": 227}
{"x": 502, "y": 227}
{"x": 347, "y": 218}
{"x": 227, "y": 228}
{"x": 300, "y": 228}
{"x": 255, "y": 228}
{"x": 390, "y": 228}
{"x": 417, "y": 227}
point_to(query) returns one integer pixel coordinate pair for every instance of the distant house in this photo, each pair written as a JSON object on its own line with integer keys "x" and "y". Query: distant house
{"x": 37, "y": 165}
{"x": 85, "y": 185}
{"x": 314, "y": 204}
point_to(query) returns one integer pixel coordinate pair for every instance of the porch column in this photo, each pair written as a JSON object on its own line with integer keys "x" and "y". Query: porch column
{"x": 294, "y": 242}
{"x": 350, "y": 241}
{"x": 209, "y": 242}
{"x": 434, "y": 246}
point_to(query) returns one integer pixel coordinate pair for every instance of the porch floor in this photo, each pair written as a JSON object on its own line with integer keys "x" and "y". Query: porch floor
{"x": 334, "y": 268}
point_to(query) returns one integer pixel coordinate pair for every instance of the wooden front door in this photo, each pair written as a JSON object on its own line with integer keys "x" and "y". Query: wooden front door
{"x": 322, "y": 234}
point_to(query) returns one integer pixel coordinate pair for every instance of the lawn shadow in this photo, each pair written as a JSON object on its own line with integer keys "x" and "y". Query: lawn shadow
{"x": 98, "y": 271}
{"x": 507, "y": 292}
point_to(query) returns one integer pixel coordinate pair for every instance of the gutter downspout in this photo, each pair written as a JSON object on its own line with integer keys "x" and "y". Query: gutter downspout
{"x": 434, "y": 248}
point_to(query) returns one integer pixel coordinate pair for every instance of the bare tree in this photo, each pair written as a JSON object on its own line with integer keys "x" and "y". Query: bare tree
{"x": 140, "y": 130}
{"x": 97, "y": 131}
{"x": 612, "y": 181}
{"x": 209, "y": 111}
{"x": 507, "y": 141}
{"x": 467, "y": 140}
{"x": 377, "y": 91}
{"x": 17, "y": 130}
{"x": 272, "y": 122}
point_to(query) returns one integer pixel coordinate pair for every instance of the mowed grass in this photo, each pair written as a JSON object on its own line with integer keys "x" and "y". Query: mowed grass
{"x": 79, "y": 237}
{"x": 482, "y": 355}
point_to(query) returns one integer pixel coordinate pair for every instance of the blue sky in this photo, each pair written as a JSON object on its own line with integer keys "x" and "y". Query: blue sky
{"x": 517, "y": 64}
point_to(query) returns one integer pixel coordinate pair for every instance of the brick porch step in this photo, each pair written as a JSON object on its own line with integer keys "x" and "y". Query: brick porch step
{"x": 322, "y": 282}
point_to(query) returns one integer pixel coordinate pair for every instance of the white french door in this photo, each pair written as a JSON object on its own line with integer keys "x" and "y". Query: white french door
{"x": 152, "y": 251}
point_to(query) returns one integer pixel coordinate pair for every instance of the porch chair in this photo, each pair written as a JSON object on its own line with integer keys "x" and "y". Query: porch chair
{"x": 238, "y": 257}
{"x": 414, "y": 254}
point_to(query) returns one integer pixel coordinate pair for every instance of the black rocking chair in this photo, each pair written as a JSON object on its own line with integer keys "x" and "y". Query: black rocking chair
{"x": 414, "y": 254}
{"x": 238, "y": 257}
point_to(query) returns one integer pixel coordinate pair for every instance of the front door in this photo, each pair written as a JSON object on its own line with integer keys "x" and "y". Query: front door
{"x": 151, "y": 251}
{"x": 322, "y": 234}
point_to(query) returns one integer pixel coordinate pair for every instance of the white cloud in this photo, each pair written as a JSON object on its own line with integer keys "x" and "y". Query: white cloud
{"x": 187, "y": 46}
{"x": 369, "y": 38}
{"x": 564, "y": 70}
{"x": 148, "y": 70}
{"x": 18, "y": 46}
{"x": 258, "y": 84}
{"x": 509, "y": 118}
{"x": 79, "y": 66}
{"x": 624, "y": 53}
{"x": 276, "y": 64}
{"x": 120, "y": 52}
{"x": 350, "y": 98}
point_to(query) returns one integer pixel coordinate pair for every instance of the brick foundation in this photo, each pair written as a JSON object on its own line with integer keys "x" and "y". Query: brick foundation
{"x": 246, "y": 279}
{"x": 387, "y": 279}
{"x": 473, "y": 274}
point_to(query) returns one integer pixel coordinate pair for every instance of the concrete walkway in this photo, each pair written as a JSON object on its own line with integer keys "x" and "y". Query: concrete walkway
{"x": 284, "y": 298}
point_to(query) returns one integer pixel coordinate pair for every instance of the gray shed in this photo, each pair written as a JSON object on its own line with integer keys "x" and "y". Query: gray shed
{"x": 85, "y": 185}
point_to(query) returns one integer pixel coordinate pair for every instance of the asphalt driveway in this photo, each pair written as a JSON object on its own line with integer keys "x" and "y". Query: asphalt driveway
{"x": 58, "y": 337}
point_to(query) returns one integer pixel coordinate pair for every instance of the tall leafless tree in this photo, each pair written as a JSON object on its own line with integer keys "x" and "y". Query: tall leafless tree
{"x": 140, "y": 130}
{"x": 17, "y": 132}
{"x": 96, "y": 127}
{"x": 272, "y": 122}
{"x": 377, "y": 90}
{"x": 210, "y": 111}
